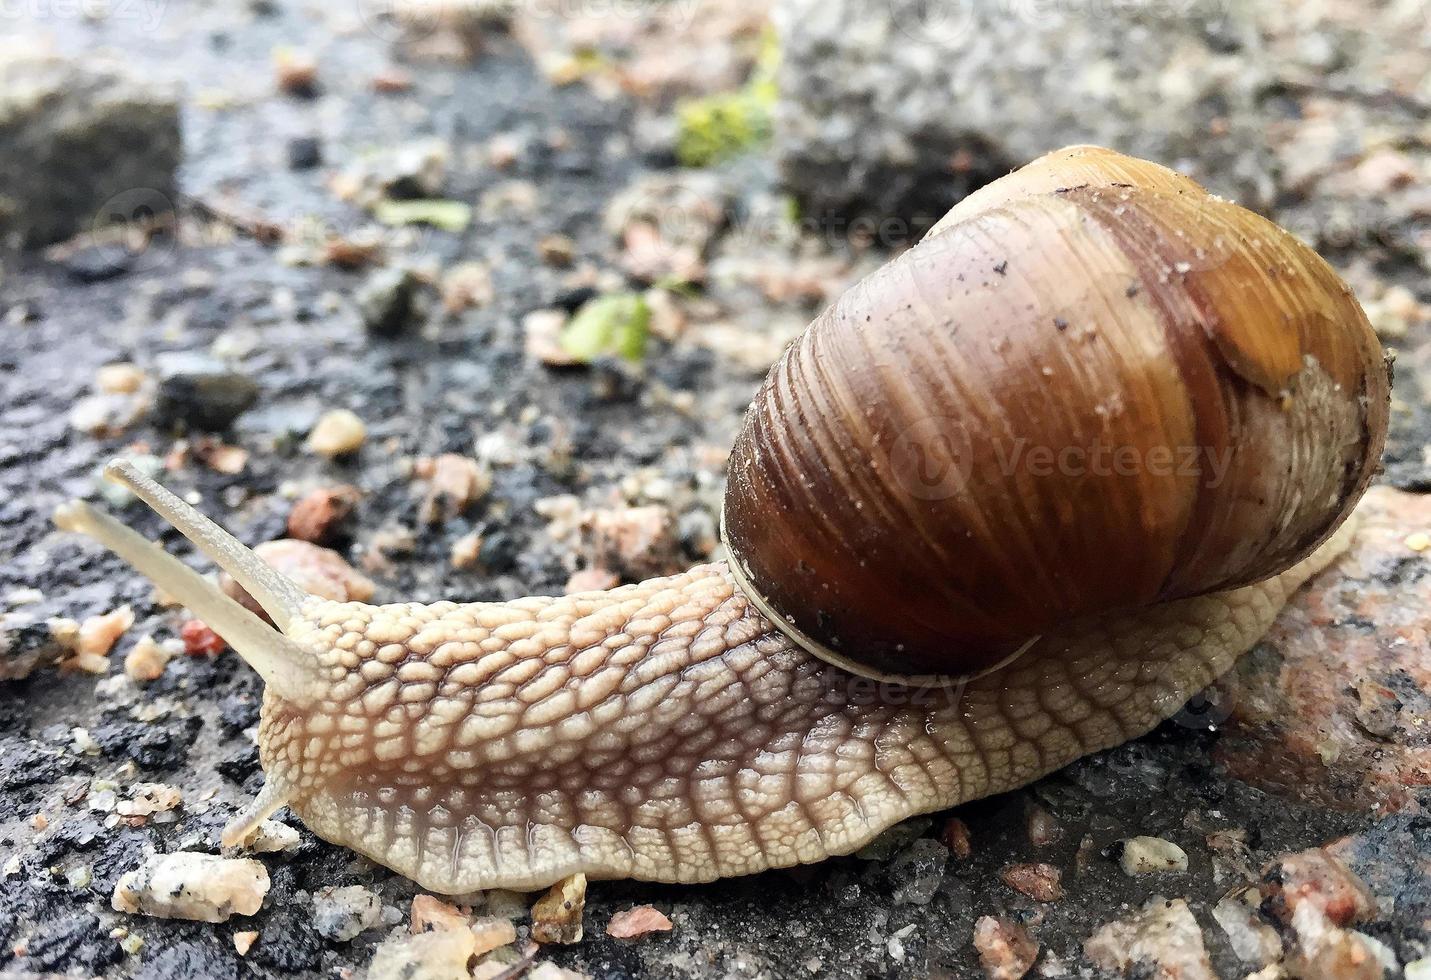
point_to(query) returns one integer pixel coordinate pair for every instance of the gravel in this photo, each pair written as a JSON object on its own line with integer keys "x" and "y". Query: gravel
{"x": 889, "y": 111}
{"x": 537, "y": 160}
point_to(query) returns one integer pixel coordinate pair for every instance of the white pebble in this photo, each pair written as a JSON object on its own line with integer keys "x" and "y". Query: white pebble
{"x": 1145, "y": 855}
{"x": 185, "y": 885}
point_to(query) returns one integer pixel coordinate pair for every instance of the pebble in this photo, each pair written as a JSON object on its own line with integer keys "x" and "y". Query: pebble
{"x": 466, "y": 286}
{"x": 91, "y": 642}
{"x": 1041, "y": 882}
{"x": 97, "y": 634}
{"x": 454, "y": 483}
{"x": 1162, "y": 940}
{"x": 591, "y": 580}
{"x": 1255, "y": 942}
{"x": 123, "y": 396}
{"x": 955, "y": 834}
{"x": 337, "y": 432}
{"x": 1325, "y": 951}
{"x": 1043, "y": 829}
{"x": 541, "y": 333}
{"x": 90, "y": 141}
{"x": 201, "y": 391}
{"x": 317, "y": 571}
{"x": 556, "y": 916}
{"x": 633, "y": 923}
{"x": 550, "y": 971}
{"x": 387, "y": 301}
{"x": 439, "y": 955}
{"x": 557, "y": 250}
{"x": 1288, "y": 734}
{"x": 1146, "y": 855}
{"x": 304, "y": 153}
{"x": 185, "y": 885}
{"x": 429, "y": 913}
{"x": 918, "y": 871}
{"x": 243, "y": 942}
{"x": 635, "y": 542}
{"x": 466, "y": 550}
{"x": 341, "y": 913}
{"x": 1006, "y": 950}
{"x": 296, "y": 72}
{"x": 271, "y": 837}
{"x": 199, "y": 640}
{"x": 1315, "y": 877}
{"x": 492, "y": 932}
{"x": 148, "y": 799}
{"x": 323, "y": 515}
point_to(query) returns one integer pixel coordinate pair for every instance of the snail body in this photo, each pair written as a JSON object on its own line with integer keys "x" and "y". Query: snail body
{"x": 887, "y": 639}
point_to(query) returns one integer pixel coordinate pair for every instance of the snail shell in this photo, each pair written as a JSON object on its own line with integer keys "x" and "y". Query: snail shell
{"x": 1093, "y": 386}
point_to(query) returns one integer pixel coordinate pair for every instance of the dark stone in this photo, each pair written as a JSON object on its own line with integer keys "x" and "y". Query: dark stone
{"x": 24, "y": 647}
{"x": 118, "y": 854}
{"x": 25, "y": 763}
{"x": 201, "y": 392}
{"x": 499, "y": 551}
{"x": 386, "y": 301}
{"x": 156, "y": 747}
{"x": 918, "y": 871}
{"x": 289, "y": 944}
{"x": 239, "y": 765}
{"x": 304, "y": 153}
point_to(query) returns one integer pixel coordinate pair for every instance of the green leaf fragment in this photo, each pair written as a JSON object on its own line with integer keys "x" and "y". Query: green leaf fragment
{"x": 452, "y": 216}
{"x": 618, "y": 323}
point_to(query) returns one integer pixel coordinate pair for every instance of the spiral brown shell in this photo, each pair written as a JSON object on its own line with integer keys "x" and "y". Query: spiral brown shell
{"x": 1094, "y": 386}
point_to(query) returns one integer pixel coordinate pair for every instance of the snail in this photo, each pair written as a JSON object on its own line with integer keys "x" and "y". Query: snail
{"x": 1013, "y": 499}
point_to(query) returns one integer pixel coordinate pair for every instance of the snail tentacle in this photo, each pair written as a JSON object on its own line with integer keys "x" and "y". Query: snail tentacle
{"x": 271, "y": 589}
{"x": 281, "y": 663}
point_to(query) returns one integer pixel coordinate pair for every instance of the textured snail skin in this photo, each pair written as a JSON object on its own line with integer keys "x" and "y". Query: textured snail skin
{"x": 663, "y": 731}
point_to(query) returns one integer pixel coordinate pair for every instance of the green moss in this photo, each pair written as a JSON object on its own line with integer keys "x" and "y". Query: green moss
{"x": 720, "y": 127}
